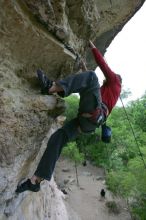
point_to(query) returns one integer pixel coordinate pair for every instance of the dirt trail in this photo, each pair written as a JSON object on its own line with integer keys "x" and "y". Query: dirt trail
{"x": 85, "y": 199}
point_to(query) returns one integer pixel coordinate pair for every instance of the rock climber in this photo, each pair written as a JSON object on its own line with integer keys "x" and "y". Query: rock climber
{"x": 95, "y": 105}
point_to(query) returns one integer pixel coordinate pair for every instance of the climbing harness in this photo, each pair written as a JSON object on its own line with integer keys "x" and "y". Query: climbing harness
{"x": 140, "y": 153}
{"x": 98, "y": 115}
{"x": 95, "y": 116}
{"x": 105, "y": 109}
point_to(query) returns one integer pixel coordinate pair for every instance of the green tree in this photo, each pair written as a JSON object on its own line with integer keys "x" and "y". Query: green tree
{"x": 71, "y": 151}
{"x": 72, "y": 103}
{"x": 138, "y": 108}
{"x": 125, "y": 93}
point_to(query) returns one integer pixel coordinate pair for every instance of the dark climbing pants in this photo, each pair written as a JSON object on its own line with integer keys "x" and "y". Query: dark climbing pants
{"x": 86, "y": 84}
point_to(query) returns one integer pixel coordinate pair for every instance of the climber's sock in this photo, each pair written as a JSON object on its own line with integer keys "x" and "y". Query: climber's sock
{"x": 27, "y": 185}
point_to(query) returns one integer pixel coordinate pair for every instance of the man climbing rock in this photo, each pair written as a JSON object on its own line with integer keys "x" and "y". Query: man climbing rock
{"x": 96, "y": 103}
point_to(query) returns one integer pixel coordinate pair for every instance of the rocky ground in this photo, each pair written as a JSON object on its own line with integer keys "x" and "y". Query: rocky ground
{"x": 84, "y": 202}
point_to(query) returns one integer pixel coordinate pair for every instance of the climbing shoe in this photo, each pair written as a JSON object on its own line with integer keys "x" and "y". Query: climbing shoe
{"x": 45, "y": 83}
{"x": 27, "y": 185}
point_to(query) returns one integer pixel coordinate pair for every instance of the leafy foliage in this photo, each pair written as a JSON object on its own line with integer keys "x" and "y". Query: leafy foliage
{"x": 72, "y": 103}
{"x": 126, "y": 93}
{"x": 138, "y": 109}
{"x": 72, "y": 152}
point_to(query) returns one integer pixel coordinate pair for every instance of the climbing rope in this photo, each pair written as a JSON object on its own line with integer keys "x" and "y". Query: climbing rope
{"x": 67, "y": 46}
{"x": 78, "y": 58}
{"x": 140, "y": 153}
{"x": 71, "y": 49}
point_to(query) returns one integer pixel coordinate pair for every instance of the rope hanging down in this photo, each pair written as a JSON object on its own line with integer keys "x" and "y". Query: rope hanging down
{"x": 133, "y": 133}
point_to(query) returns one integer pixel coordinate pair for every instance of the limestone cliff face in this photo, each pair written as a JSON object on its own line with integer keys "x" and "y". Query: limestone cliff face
{"x": 37, "y": 34}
